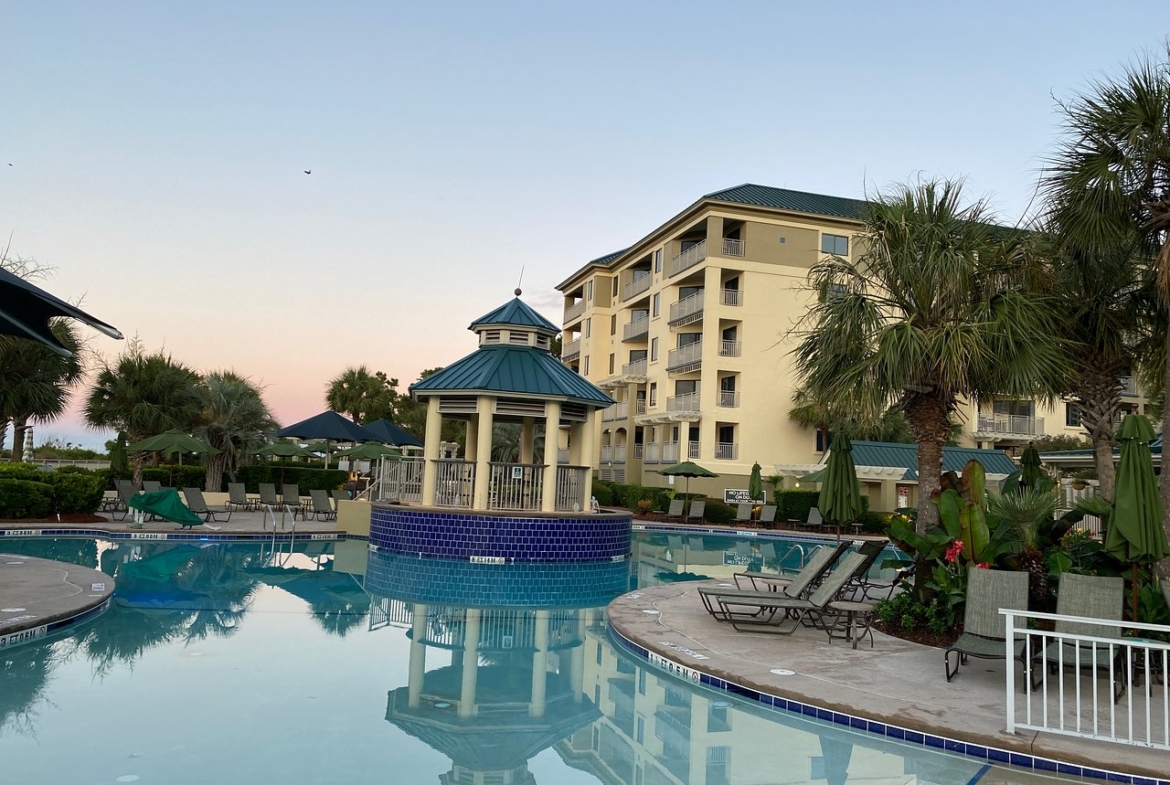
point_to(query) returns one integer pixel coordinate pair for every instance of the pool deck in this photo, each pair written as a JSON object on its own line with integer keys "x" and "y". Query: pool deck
{"x": 39, "y": 597}
{"x": 896, "y": 682}
{"x": 246, "y": 523}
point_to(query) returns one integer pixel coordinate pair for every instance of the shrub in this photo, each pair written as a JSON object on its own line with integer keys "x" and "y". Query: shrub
{"x": 307, "y": 479}
{"x": 21, "y": 471}
{"x": 603, "y": 494}
{"x": 25, "y": 498}
{"x": 903, "y": 612}
{"x": 176, "y": 476}
{"x": 794, "y": 504}
{"x": 718, "y": 512}
{"x": 76, "y": 491}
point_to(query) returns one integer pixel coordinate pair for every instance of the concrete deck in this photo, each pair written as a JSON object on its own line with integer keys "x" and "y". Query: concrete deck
{"x": 37, "y": 595}
{"x": 895, "y": 682}
{"x": 240, "y": 523}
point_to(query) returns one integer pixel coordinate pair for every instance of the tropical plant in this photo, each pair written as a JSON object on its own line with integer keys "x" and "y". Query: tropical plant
{"x": 361, "y": 395}
{"x": 234, "y": 419}
{"x": 143, "y": 395}
{"x": 412, "y": 415}
{"x": 1109, "y": 180}
{"x": 939, "y": 306}
{"x": 35, "y": 381}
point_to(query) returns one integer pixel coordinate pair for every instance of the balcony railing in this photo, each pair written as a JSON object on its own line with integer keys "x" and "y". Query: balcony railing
{"x": 732, "y": 247}
{"x": 636, "y": 368}
{"x": 401, "y": 480}
{"x": 1129, "y": 387}
{"x": 692, "y": 450}
{"x": 690, "y": 354}
{"x": 639, "y": 451}
{"x": 571, "y": 488}
{"x": 687, "y": 310}
{"x": 652, "y": 453}
{"x": 1011, "y": 425}
{"x": 687, "y": 402}
{"x": 454, "y": 482}
{"x": 733, "y": 297}
{"x": 636, "y": 328}
{"x": 688, "y": 258}
{"x": 640, "y": 406}
{"x": 574, "y": 311}
{"x": 670, "y": 452}
{"x": 515, "y": 486}
{"x": 636, "y": 286}
{"x": 728, "y": 399}
{"x": 613, "y": 453}
{"x": 619, "y": 411}
{"x": 726, "y": 451}
{"x": 730, "y": 348}
{"x": 571, "y": 349}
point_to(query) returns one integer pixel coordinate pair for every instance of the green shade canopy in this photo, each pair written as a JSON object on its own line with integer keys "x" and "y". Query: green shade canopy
{"x": 755, "y": 483}
{"x": 1030, "y": 469}
{"x": 817, "y": 476}
{"x": 1135, "y": 532}
{"x": 370, "y": 451}
{"x": 320, "y": 447}
{"x": 172, "y": 441}
{"x": 687, "y": 469}
{"x": 283, "y": 450}
{"x": 840, "y": 499}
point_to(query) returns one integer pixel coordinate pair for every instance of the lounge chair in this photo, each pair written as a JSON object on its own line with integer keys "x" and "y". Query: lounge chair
{"x": 290, "y": 497}
{"x": 865, "y": 588}
{"x": 768, "y": 514}
{"x": 1089, "y": 597}
{"x": 984, "y": 630}
{"x": 772, "y": 583}
{"x": 339, "y": 496}
{"x": 238, "y": 498}
{"x": 784, "y": 615}
{"x": 743, "y": 513}
{"x": 197, "y": 505}
{"x": 697, "y": 510}
{"x": 322, "y": 510}
{"x": 813, "y": 522}
{"x": 268, "y": 495}
{"x": 126, "y": 492}
{"x": 151, "y": 486}
{"x": 674, "y": 512}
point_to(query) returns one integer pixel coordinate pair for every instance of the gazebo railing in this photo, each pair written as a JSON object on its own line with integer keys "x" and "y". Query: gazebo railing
{"x": 515, "y": 486}
{"x": 401, "y": 480}
{"x": 571, "y": 488}
{"x": 454, "y": 483}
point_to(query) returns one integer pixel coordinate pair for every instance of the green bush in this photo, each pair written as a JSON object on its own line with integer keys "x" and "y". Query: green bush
{"x": 793, "y": 504}
{"x": 718, "y": 512}
{"x": 628, "y": 496}
{"x": 904, "y": 612}
{"x": 176, "y": 476}
{"x": 21, "y": 471}
{"x": 603, "y": 493}
{"x": 25, "y": 498}
{"x": 306, "y": 479}
{"x": 76, "y": 491}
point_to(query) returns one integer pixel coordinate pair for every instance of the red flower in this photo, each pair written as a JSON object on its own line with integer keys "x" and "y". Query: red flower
{"x": 953, "y": 552}
{"x": 983, "y": 565}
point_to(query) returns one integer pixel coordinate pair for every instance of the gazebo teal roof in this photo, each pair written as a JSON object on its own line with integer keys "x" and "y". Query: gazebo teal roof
{"x": 519, "y": 370}
{"x": 889, "y": 454}
{"x": 515, "y": 314}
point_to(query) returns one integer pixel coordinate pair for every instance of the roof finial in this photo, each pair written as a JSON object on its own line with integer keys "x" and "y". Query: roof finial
{"x": 517, "y": 291}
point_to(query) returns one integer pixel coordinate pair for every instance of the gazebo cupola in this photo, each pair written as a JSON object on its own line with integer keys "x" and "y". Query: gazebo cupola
{"x": 511, "y": 378}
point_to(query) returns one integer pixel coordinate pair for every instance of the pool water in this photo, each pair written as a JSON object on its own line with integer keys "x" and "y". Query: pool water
{"x": 264, "y": 663}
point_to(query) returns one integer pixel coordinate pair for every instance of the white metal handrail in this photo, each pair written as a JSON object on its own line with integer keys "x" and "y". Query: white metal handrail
{"x": 670, "y": 452}
{"x": 731, "y": 297}
{"x": 684, "y": 355}
{"x": 1132, "y": 708}
{"x": 571, "y": 488}
{"x": 692, "y": 450}
{"x": 515, "y": 486}
{"x": 401, "y": 480}
{"x": 571, "y": 349}
{"x": 688, "y": 258}
{"x": 688, "y": 306}
{"x": 730, "y": 348}
{"x": 726, "y": 451}
{"x": 732, "y": 247}
{"x": 619, "y": 411}
{"x": 1011, "y": 424}
{"x": 454, "y": 483}
{"x": 728, "y": 399}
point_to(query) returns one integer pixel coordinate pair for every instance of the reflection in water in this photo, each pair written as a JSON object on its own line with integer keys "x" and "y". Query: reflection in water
{"x": 498, "y": 664}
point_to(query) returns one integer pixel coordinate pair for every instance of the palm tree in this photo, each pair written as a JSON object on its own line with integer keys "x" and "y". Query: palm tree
{"x": 820, "y": 414}
{"x": 1109, "y": 178}
{"x": 234, "y": 419}
{"x": 143, "y": 394}
{"x": 35, "y": 381}
{"x": 361, "y": 395}
{"x": 937, "y": 307}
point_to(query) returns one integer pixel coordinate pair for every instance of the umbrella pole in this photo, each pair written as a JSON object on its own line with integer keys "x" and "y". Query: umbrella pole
{"x": 1134, "y": 592}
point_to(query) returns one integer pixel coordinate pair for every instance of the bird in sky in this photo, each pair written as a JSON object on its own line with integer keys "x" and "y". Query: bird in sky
{"x": 307, "y": 171}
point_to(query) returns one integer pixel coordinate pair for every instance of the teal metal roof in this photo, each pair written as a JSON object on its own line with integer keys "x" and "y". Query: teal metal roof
{"x": 953, "y": 458}
{"x": 513, "y": 369}
{"x": 799, "y": 201}
{"x": 605, "y": 261}
{"x": 515, "y": 312}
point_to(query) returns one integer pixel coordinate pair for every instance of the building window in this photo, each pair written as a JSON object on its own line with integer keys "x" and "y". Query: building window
{"x": 589, "y": 291}
{"x": 585, "y": 366}
{"x": 653, "y": 350}
{"x": 615, "y": 286}
{"x": 1072, "y": 415}
{"x": 835, "y": 244}
{"x": 654, "y": 305}
{"x": 588, "y": 327}
{"x": 611, "y": 363}
{"x": 658, "y": 261}
{"x": 613, "y": 325}
{"x": 824, "y": 442}
{"x": 653, "y": 394}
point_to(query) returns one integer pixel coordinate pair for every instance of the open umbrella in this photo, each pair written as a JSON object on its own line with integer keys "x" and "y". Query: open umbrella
{"x": 1135, "y": 532}
{"x": 283, "y": 450}
{"x": 687, "y": 469}
{"x": 25, "y": 311}
{"x": 755, "y": 483}
{"x": 840, "y": 499}
{"x": 1030, "y": 469}
{"x": 389, "y": 433}
{"x": 370, "y": 451}
{"x": 329, "y": 426}
{"x": 171, "y": 442}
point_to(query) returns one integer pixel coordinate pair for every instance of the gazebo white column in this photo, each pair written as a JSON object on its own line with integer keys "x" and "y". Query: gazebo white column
{"x": 575, "y": 443}
{"x": 431, "y": 451}
{"x": 470, "y": 663}
{"x": 418, "y": 656}
{"x": 483, "y": 454}
{"x": 527, "y": 434}
{"x": 539, "y": 665}
{"x": 471, "y": 439}
{"x": 548, "y": 489}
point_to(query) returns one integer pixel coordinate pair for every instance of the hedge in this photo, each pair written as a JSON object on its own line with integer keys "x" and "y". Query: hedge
{"x": 25, "y": 498}
{"x": 305, "y": 478}
{"x": 71, "y": 489}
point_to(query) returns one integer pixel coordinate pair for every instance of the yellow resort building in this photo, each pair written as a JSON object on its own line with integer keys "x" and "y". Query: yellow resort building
{"x": 691, "y": 331}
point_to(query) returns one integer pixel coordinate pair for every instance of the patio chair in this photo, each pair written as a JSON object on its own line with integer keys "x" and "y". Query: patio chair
{"x": 773, "y": 585}
{"x": 697, "y": 510}
{"x": 322, "y": 510}
{"x": 743, "y": 513}
{"x": 339, "y": 496}
{"x": 984, "y": 630}
{"x": 863, "y": 586}
{"x": 1091, "y": 597}
{"x": 197, "y": 505}
{"x": 126, "y": 492}
{"x": 783, "y": 616}
{"x": 674, "y": 512}
{"x": 151, "y": 486}
{"x": 290, "y": 497}
{"x": 768, "y": 514}
{"x": 238, "y": 497}
{"x": 268, "y": 494}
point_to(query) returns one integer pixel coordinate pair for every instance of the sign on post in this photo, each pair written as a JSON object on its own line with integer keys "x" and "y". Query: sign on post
{"x": 740, "y": 496}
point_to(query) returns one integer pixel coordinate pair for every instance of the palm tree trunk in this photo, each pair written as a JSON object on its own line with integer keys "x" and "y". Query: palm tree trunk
{"x": 137, "y": 462}
{"x": 215, "y": 469}
{"x": 19, "y": 428}
{"x": 928, "y": 417}
{"x": 1163, "y": 567}
{"x": 3, "y": 431}
{"x": 1099, "y": 401}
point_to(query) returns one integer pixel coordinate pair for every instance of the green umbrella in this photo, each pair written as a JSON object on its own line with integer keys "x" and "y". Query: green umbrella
{"x": 370, "y": 451}
{"x": 687, "y": 469}
{"x": 755, "y": 483}
{"x": 817, "y": 476}
{"x": 171, "y": 442}
{"x": 1030, "y": 469}
{"x": 119, "y": 463}
{"x": 1135, "y": 532}
{"x": 840, "y": 499}
{"x": 283, "y": 450}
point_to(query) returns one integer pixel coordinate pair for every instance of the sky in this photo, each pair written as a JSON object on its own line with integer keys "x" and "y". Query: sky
{"x": 153, "y": 154}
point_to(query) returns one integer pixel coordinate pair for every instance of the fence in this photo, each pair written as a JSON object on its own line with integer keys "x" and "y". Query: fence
{"x": 515, "y": 486}
{"x": 401, "y": 480}
{"x": 454, "y": 483}
{"x": 1104, "y": 688}
{"x": 571, "y": 488}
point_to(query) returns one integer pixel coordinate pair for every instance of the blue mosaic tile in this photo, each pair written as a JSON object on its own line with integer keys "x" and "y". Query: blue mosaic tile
{"x": 1020, "y": 760}
{"x": 915, "y": 737}
{"x": 975, "y": 751}
{"x": 1048, "y": 765}
{"x": 895, "y": 733}
{"x": 1068, "y": 768}
{"x": 999, "y": 756}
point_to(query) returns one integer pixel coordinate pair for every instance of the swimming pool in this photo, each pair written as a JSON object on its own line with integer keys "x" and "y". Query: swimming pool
{"x": 315, "y": 663}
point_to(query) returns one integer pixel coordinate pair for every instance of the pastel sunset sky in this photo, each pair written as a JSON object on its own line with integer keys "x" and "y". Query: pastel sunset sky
{"x": 158, "y": 150}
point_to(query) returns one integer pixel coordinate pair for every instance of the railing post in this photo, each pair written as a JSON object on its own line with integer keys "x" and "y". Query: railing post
{"x": 1010, "y": 669}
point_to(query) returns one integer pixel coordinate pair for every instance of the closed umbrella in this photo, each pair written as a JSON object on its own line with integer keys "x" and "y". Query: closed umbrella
{"x": 1135, "y": 532}
{"x": 840, "y": 499}
{"x": 755, "y": 483}
{"x": 119, "y": 463}
{"x": 1030, "y": 469}
{"x": 687, "y": 469}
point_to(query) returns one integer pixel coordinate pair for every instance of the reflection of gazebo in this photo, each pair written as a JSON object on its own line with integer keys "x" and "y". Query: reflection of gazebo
{"x": 511, "y": 378}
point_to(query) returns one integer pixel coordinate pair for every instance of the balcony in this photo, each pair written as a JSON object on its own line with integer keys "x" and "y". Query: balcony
{"x": 635, "y": 329}
{"x": 692, "y": 451}
{"x": 686, "y": 311}
{"x": 730, "y": 348}
{"x": 688, "y": 402}
{"x": 571, "y": 349}
{"x": 1010, "y": 425}
{"x": 652, "y": 453}
{"x": 726, "y": 451}
{"x": 636, "y": 368}
{"x": 685, "y": 358}
{"x": 574, "y": 311}
{"x": 728, "y": 399}
{"x": 688, "y": 258}
{"x": 613, "y": 453}
{"x": 670, "y": 452}
{"x": 732, "y": 297}
{"x": 639, "y": 284}
{"x": 638, "y": 451}
{"x": 619, "y": 411}
{"x": 732, "y": 247}
{"x": 640, "y": 406}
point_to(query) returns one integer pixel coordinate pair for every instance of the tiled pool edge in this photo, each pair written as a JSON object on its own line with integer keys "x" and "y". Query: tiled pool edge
{"x": 111, "y": 534}
{"x": 981, "y": 752}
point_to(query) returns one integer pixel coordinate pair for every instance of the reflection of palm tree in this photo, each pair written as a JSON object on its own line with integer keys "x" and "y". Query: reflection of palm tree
{"x": 24, "y": 673}
{"x": 123, "y": 634}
